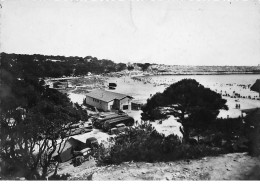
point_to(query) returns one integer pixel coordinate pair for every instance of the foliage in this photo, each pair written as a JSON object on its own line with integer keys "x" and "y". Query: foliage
{"x": 56, "y": 66}
{"x": 32, "y": 118}
{"x": 129, "y": 68}
{"x": 252, "y": 131}
{"x": 60, "y": 177}
{"x": 144, "y": 143}
{"x": 192, "y": 104}
{"x": 144, "y": 66}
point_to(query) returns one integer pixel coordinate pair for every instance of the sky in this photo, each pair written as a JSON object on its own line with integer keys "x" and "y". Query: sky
{"x": 191, "y": 32}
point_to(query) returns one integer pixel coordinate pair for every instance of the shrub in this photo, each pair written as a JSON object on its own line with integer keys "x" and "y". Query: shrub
{"x": 59, "y": 177}
{"x": 145, "y": 144}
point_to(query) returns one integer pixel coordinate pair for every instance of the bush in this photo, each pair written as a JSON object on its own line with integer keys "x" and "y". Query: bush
{"x": 59, "y": 177}
{"x": 145, "y": 144}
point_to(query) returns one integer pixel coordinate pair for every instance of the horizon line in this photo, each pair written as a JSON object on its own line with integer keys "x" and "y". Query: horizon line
{"x": 66, "y": 56}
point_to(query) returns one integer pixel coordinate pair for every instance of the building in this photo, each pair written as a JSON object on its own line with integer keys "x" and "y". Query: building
{"x": 137, "y": 104}
{"x": 106, "y": 100}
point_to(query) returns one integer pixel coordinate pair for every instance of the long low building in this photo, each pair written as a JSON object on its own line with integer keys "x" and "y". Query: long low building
{"x": 106, "y": 100}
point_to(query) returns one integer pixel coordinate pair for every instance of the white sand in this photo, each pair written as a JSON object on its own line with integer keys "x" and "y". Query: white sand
{"x": 141, "y": 91}
{"x": 76, "y": 98}
{"x": 168, "y": 126}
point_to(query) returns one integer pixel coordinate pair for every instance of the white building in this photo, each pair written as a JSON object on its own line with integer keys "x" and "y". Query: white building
{"x": 106, "y": 100}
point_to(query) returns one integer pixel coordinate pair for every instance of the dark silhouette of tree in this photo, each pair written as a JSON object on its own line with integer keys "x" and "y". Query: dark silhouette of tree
{"x": 32, "y": 119}
{"x": 130, "y": 68}
{"x": 192, "y": 104}
{"x": 120, "y": 66}
{"x": 252, "y": 123}
{"x": 56, "y": 66}
{"x": 144, "y": 66}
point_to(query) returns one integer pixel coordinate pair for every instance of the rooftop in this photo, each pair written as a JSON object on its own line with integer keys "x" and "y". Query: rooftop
{"x": 106, "y": 96}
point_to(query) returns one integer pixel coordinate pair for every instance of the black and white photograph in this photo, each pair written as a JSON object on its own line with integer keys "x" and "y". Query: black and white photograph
{"x": 129, "y": 90}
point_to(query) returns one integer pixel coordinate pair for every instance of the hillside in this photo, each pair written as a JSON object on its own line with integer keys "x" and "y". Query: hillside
{"x": 59, "y": 66}
{"x": 236, "y": 166}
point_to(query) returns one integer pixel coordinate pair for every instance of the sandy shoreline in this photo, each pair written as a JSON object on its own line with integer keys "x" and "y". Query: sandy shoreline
{"x": 147, "y": 86}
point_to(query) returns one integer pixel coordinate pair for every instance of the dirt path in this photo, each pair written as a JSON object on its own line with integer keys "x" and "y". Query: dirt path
{"x": 237, "y": 166}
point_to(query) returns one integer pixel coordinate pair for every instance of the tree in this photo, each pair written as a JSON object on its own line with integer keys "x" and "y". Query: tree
{"x": 56, "y": 66}
{"x": 32, "y": 118}
{"x": 144, "y": 66}
{"x": 192, "y": 104}
{"x": 129, "y": 68}
{"x": 120, "y": 66}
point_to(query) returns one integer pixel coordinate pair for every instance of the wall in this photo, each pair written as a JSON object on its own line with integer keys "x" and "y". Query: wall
{"x": 125, "y": 101}
{"x": 110, "y": 104}
{"x": 97, "y": 103}
{"x": 107, "y": 106}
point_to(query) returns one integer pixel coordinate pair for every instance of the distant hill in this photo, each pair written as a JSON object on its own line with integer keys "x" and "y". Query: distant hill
{"x": 58, "y": 66}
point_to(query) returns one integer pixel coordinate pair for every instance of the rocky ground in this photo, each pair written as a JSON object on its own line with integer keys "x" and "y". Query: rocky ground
{"x": 236, "y": 166}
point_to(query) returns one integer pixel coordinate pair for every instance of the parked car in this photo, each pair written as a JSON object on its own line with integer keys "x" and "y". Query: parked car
{"x": 88, "y": 125}
{"x": 118, "y": 129}
{"x": 92, "y": 142}
{"x": 113, "y": 131}
{"x": 84, "y": 152}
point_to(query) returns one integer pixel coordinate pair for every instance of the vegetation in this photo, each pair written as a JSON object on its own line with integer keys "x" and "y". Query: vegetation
{"x": 144, "y": 143}
{"x": 129, "y": 68}
{"x": 252, "y": 132}
{"x": 57, "y": 66}
{"x": 194, "y": 106}
{"x": 144, "y": 66}
{"x": 32, "y": 118}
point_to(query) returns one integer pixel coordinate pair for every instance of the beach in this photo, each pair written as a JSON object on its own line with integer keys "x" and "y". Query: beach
{"x": 142, "y": 88}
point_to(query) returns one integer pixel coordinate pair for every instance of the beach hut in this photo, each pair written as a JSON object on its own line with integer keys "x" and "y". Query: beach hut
{"x": 256, "y": 86}
{"x": 106, "y": 100}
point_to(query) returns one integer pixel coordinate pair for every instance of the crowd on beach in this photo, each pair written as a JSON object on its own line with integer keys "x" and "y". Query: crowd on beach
{"x": 239, "y": 96}
{"x": 150, "y": 80}
{"x": 239, "y": 90}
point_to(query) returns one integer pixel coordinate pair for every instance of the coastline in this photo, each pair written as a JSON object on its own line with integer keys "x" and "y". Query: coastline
{"x": 143, "y": 87}
{"x": 199, "y": 73}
